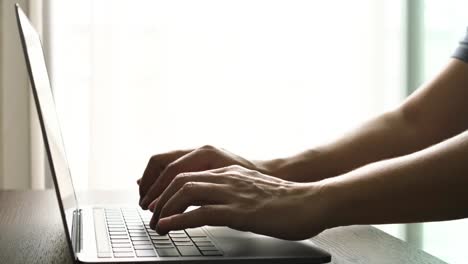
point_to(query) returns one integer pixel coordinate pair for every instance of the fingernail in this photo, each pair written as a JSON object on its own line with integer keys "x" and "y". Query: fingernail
{"x": 153, "y": 205}
{"x": 143, "y": 203}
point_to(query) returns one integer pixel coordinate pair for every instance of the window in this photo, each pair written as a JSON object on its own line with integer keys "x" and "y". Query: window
{"x": 440, "y": 38}
{"x": 260, "y": 78}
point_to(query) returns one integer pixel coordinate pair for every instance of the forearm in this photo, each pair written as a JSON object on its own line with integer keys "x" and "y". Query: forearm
{"x": 435, "y": 112}
{"x": 429, "y": 185}
{"x": 386, "y": 136}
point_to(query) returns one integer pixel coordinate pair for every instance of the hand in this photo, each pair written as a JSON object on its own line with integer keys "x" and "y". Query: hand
{"x": 242, "y": 199}
{"x": 162, "y": 169}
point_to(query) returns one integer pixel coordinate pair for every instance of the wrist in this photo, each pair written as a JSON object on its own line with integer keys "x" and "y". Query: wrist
{"x": 308, "y": 166}
{"x": 317, "y": 207}
{"x": 334, "y": 205}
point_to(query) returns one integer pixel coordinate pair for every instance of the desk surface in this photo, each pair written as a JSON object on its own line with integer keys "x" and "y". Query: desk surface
{"x": 31, "y": 231}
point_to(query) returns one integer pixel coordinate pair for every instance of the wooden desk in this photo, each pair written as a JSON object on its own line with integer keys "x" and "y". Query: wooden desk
{"x": 31, "y": 231}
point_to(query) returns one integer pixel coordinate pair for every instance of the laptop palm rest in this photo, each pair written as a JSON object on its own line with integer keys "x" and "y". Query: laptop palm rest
{"x": 245, "y": 244}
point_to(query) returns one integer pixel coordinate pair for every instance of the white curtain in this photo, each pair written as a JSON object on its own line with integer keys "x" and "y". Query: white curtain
{"x": 21, "y": 148}
{"x": 260, "y": 78}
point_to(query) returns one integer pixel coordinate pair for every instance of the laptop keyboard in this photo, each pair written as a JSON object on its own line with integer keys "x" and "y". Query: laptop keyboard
{"x": 130, "y": 236}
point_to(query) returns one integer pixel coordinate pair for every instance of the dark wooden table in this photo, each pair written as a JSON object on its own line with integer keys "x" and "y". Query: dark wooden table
{"x": 31, "y": 231}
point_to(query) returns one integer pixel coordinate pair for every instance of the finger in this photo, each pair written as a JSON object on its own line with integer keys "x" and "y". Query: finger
{"x": 152, "y": 205}
{"x": 156, "y": 165}
{"x": 181, "y": 180}
{"x": 197, "y": 160}
{"x": 213, "y": 215}
{"x": 193, "y": 193}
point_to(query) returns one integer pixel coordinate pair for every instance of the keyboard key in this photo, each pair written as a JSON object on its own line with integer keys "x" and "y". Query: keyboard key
{"x": 161, "y": 239}
{"x": 167, "y": 252}
{"x": 176, "y": 232}
{"x": 204, "y": 243}
{"x": 136, "y": 228}
{"x": 116, "y": 224}
{"x": 207, "y": 248}
{"x": 140, "y": 238}
{"x": 116, "y": 241}
{"x": 158, "y": 237}
{"x": 136, "y": 232}
{"x": 178, "y": 235}
{"x": 200, "y": 239}
{"x": 164, "y": 246}
{"x": 143, "y": 246}
{"x": 183, "y": 243}
{"x": 146, "y": 242}
{"x": 139, "y": 234}
{"x": 121, "y": 245}
{"x": 125, "y": 249}
{"x": 195, "y": 232}
{"x": 189, "y": 251}
{"x": 114, "y": 219}
{"x": 181, "y": 239}
{"x": 117, "y": 233}
{"x": 145, "y": 253}
{"x": 123, "y": 255}
{"x": 117, "y": 229}
{"x": 134, "y": 223}
{"x": 118, "y": 236}
{"x": 212, "y": 253}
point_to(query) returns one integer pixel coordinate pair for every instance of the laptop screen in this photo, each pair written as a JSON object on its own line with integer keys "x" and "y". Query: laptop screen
{"x": 45, "y": 106}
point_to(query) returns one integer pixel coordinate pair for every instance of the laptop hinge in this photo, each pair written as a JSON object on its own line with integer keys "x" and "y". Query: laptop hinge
{"x": 77, "y": 229}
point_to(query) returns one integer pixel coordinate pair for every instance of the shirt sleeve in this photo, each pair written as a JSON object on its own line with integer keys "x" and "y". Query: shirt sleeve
{"x": 461, "y": 52}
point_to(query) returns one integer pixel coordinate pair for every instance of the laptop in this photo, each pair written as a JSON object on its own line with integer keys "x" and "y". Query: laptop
{"x": 99, "y": 234}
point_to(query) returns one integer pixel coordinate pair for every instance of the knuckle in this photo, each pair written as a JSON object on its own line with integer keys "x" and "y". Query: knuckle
{"x": 208, "y": 147}
{"x": 236, "y": 167}
{"x": 187, "y": 188}
{"x": 181, "y": 177}
{"x": 171, "y": 168}
{"x": 207, "y": 150}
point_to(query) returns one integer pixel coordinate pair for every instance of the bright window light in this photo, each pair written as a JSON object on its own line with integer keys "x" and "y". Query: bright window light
{"x": 262, "y": 78}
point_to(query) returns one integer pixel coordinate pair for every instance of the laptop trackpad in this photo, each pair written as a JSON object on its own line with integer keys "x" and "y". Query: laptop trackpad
{"x": 245, "y": 244}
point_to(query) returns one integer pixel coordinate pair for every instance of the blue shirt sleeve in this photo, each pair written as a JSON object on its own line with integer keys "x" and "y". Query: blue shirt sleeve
{"x": 461, "y": 52}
